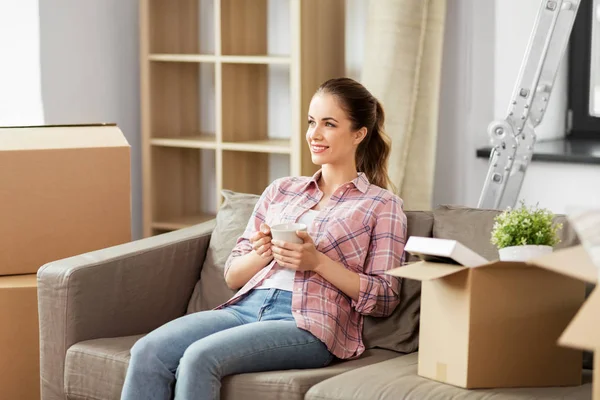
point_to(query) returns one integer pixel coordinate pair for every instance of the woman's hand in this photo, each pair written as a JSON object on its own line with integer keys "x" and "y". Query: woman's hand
{"x": 300, "y": 257}
{"x": 261, "y": 241}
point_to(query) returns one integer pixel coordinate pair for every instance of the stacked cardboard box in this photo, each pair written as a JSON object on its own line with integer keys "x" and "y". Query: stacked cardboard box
{"x": 64, "y": 190}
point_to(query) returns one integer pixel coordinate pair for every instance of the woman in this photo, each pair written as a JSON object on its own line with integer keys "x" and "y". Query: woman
{"x": 300, "y": 305}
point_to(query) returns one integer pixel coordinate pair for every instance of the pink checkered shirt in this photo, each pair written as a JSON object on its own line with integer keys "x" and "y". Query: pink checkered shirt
{"x": 363, "y": 227}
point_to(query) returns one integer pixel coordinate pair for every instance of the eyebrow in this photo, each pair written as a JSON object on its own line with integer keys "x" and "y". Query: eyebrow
{"x": 326, "y": 119}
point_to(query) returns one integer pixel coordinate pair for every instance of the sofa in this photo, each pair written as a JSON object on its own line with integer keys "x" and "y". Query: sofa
{"x": 93, "y": 307}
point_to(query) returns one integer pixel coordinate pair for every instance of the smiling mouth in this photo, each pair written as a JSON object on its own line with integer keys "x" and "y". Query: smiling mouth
{"x": 318, "y": 149}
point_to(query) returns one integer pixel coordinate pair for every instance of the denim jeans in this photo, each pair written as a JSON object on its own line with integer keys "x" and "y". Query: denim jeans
{"x": 188, "y": 356}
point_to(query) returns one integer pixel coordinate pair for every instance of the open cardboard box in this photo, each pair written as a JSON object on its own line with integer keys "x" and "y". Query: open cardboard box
{"x": 584, "y": 333}
{"x": 498, "y": 324}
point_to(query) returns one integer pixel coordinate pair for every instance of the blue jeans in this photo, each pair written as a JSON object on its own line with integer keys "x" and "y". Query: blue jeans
{"x": 194, "y": 352}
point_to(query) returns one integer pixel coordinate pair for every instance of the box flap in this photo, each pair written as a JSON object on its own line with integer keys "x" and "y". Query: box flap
{"x": 425, "y": 271}
{"x": 573, "y": 262}
{"x": 61, "y": 137}
{"x": 584, "y": 330}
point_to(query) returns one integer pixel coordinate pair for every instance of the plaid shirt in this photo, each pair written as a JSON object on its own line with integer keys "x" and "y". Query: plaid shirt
{"x": 363, "y": 227}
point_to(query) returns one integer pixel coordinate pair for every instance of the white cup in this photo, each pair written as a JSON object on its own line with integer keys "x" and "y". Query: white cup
{"x": 287, "y": 232}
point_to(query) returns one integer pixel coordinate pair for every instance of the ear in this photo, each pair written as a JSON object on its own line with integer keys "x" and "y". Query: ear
{"x": 359, "y": 135}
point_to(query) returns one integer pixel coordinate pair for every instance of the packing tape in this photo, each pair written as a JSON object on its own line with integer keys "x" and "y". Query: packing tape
{"x": 440, "y": 371}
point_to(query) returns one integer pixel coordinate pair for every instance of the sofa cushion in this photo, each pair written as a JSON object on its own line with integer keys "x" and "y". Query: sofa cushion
{"x": 473, "y": 227}
{"x": 400, "y": 331}
{"x": 397, "y": 379}
{"x": 293, "y": 384}
{"x": 232, "y": 218}
{"x": 95, "y": 369}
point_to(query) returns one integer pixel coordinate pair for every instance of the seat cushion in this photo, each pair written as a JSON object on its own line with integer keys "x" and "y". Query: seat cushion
{"x": 95, "y": 369}
{"x": 397, "y": 379}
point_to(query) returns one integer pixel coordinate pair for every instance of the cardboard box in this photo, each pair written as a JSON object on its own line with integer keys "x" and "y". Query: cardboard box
{"x": 19, "y": 338}
{"x": 64, "y": 190}
{"x": 498, "y": 324}
{"x": 584, "y": 333}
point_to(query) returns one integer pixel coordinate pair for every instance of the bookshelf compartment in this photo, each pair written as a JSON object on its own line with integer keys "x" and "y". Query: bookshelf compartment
{"x": 256, "y": 108}
{"x": 252, "y": 172}
{"x": 245, "y": 172}
{"x": 183, "y": 180}
{"x": 183, "y": 104}
{"x": 181, "y": 26}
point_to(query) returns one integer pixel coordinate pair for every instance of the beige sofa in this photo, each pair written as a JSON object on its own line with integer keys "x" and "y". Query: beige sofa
{"x": 94, "y": 307}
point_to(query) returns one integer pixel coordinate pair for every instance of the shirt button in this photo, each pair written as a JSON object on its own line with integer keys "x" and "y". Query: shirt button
{"x": 341, "y": 192}
{"x": 299, "y": 290}
{"x": 297, "y": 311}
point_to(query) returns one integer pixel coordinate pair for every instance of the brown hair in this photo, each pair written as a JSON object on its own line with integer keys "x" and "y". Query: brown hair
{"x": 364, "y": 109}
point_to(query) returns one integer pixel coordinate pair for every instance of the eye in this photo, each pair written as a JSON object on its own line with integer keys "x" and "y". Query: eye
{"x": 330, "y": 125}
{"x": 311, "y": 122}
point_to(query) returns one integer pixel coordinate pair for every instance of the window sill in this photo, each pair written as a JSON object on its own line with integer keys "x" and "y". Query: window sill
{"x": 574, "y": 151}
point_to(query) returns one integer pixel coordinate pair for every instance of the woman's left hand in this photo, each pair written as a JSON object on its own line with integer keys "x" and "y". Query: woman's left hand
{"x": 300, "y": 257}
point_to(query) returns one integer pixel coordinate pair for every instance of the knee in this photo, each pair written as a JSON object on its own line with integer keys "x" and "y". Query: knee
{"x": 144, "y": 350}
{"x": 200, "y": 357}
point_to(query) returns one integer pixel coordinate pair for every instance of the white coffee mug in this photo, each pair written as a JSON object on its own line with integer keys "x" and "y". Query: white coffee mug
{"x": 287, "y": 232}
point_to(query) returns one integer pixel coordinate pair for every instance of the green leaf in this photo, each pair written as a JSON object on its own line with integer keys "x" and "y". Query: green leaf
{"x": 523, "y": 226}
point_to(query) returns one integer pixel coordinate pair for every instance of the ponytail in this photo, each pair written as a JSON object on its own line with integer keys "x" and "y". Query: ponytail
{"x": 373, "y": 152}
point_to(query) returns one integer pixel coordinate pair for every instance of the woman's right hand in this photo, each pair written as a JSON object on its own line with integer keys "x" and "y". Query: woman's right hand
{"x": 261, "y": 241}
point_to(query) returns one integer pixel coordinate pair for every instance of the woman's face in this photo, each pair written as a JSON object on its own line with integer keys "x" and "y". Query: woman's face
{"x": 330, "y": 137}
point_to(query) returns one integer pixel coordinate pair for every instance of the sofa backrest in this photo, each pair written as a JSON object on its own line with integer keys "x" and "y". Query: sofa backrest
{"x": 398, "y": 332}
{"x": 473, "y": 227}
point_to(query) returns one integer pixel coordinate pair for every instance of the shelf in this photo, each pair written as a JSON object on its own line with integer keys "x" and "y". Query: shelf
{"x": 182, "y": 222}
{"x": 203, "y": 141}
{"x": 199, "y": 58}
{"x": 280, "y": 146}
{"x": 225, "y": 86}
{"x": 194, "y": 58}
{"x": 280, "y": 60}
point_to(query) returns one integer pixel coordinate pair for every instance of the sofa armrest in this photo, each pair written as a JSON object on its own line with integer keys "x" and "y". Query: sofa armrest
{"x": 118, "y": 291}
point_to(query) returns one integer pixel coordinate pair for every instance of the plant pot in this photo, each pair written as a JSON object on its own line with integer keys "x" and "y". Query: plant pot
{"x": 523, "y": 253}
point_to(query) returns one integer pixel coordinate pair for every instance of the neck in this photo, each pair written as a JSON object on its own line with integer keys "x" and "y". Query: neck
{"x": 332, "y": 177}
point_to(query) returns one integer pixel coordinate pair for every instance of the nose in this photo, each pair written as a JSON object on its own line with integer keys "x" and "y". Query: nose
{"x": 315, "y": 133}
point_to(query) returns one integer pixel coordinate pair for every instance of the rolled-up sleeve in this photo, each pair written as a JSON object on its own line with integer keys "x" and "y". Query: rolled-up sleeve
{"x": 259, "y": 215}
{"x": 379, "y": 293}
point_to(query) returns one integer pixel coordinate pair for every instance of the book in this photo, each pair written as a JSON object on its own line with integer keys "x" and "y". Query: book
{"x": 443, "y": 251}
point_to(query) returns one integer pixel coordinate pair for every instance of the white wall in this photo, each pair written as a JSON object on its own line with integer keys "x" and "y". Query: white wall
{"x": 471, "y": 77}
{"x": 90, "y": 73}
{"x": 89, "y": 58}
{"x": 510, "y": 46}
{"x": 20, "y": 86}
{"x": 466, "y": 100}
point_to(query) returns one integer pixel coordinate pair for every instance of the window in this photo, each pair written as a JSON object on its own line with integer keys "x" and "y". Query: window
{"x": 20, "y": 77}
{"x": 584, "y": 72}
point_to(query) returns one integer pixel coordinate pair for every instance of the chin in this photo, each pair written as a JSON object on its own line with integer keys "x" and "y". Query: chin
{"x": 317, "y": 159}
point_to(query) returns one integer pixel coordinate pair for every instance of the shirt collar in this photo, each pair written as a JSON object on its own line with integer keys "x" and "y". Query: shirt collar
{"x": 361, "y": 182}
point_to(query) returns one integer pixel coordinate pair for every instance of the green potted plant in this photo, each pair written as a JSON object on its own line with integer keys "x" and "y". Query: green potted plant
{"x": 524, "y": 233}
